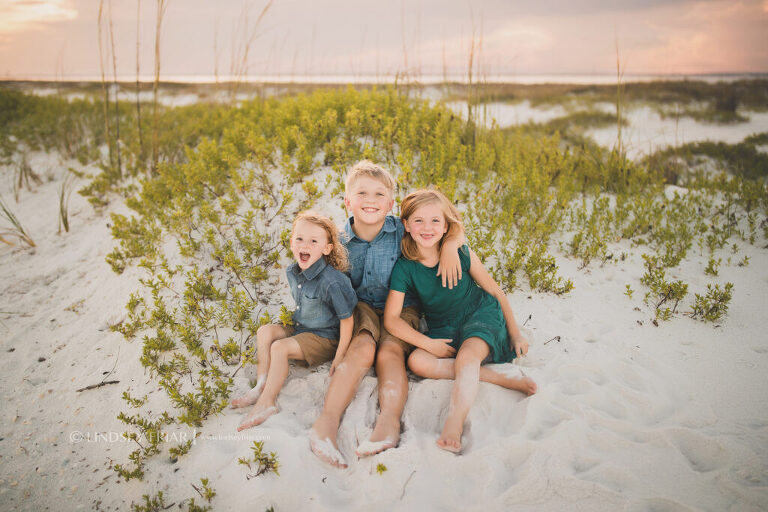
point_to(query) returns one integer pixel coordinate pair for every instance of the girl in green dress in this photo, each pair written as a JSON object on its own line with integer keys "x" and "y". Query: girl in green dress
{"x": 468, "y": 325}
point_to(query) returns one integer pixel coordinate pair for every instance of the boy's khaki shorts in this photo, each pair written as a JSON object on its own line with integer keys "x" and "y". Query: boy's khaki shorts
{"x": 316, "y": 349}
{"x": 369, "y": 319}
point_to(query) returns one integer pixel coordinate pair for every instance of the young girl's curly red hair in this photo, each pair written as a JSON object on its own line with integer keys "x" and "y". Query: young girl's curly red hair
{"x": 338, "y": 256}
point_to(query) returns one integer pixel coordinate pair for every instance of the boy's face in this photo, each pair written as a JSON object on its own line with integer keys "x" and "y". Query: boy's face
{"x": 309, "y": 243}
{"x": 369, "y": 200}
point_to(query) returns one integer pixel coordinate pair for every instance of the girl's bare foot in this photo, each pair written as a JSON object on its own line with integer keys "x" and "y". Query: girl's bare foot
{"x": 257, "y": 416}
{"x": 322, "y": 441}
{"x": 252, "y": 396}
{"x": 450, "y": 438}
{"x": 385, "y": 435}
{"x": 523, "y": 384}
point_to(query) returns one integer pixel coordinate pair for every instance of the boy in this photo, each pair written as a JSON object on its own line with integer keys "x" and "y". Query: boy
{"x": 373, "y": 240}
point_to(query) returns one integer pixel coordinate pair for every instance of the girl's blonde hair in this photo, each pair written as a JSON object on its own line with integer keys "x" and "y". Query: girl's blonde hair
{"x": 416, "y": 200}
{"x": 338, "y": 256}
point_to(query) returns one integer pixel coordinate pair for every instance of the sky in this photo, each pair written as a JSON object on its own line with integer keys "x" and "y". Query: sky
{"x": 60, "y": 38}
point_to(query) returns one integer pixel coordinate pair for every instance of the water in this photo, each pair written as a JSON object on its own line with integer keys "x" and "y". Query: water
{"x": 423, "y": 79}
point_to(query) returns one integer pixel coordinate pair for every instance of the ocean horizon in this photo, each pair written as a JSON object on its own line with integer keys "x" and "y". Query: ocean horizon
{"x": 559, "y": 78}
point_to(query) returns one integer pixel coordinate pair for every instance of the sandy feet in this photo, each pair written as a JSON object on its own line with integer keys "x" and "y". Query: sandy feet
{"x": 523, "y": 384}
{"x": 257, "y": 416}
{"x": 385, "y": 435}
{"x": 450, "y": 438}
{"x": 322, "y": 440}
{"x": 252, "y": 396}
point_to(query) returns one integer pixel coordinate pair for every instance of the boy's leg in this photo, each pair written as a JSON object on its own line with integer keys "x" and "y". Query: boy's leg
{"x": 393, "y": 392}
{"x": 393, "y": 386}
{"x": 467, "y": 367}
{"x": 424, "y": 364}
{"x": 265, "y": 336}
{"x": 341, "y": 390}
{"x": 281, "y": 351}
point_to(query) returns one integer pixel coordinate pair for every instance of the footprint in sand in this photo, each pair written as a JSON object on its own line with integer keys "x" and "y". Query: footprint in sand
{"x": 702, "y": 452}
{"x": 658, "y": 505}
{"x": 543, "y": 423}
{"x": 581, "y": 465}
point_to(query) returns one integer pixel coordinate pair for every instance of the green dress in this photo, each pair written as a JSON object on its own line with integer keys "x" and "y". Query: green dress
{"x": 458, "y": 314}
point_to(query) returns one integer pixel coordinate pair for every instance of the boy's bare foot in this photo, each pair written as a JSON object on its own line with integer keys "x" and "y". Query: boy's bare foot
{"x": 322, "y": 441}
{"x": 252, "y": 396}
{"x": 257, "y": 416}
{"x": 450, "y": 438}
{"x": 385, "y": 435}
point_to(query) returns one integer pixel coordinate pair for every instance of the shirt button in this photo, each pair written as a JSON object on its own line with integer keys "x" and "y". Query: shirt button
{"x": 369, "y": 272}
{"x": 299, "y": 286}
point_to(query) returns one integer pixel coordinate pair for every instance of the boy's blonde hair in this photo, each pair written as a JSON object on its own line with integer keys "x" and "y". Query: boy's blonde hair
{"x": 371, "y": 170}
{"x": 338, "y": 256}
{"x": 416, "y": 200}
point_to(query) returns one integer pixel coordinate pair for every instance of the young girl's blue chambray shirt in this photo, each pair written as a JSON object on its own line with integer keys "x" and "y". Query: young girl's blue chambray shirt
{"x": 370, "y": 263}
{"x": 323, "y": 296}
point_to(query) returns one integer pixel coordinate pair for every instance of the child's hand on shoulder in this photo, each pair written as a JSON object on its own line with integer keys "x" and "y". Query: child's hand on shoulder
{"x": 449, "y": 267}
{"x": 441, "y": 348}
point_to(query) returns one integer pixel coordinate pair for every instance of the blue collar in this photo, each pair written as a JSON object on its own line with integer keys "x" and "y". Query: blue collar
{"x": 312, "y": 272}
{"x": 388, "y": 227}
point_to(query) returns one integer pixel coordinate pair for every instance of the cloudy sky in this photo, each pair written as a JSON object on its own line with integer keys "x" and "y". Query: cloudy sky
{"x": 59, "y": 38}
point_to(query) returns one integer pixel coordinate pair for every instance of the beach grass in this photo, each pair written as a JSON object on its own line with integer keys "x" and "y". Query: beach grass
{"x": 229, "y": 179}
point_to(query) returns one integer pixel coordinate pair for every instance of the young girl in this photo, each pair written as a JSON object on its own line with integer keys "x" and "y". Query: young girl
{"x": 325, "y": 301}
{"x": 473, "y": 322}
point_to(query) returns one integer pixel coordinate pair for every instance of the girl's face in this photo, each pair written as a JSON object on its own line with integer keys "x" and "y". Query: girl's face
{"x": 309, "y": 243}
{"x": 427, "y": 225}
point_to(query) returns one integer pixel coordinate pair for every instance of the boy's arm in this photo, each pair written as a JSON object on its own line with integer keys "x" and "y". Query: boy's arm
{"x": 486, "y": 282}
{"x": 345, "y": 336}
{"x": 400, "y": 328}
{"x": 450, "y": 265}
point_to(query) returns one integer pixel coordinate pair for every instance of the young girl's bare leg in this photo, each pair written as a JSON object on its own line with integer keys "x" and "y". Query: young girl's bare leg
{"x": 265, "y": 336}
{"x": 424, "y": 364}
{"x": 341, "y": 390}
{"x": 393, "y": 392}
{"x": 467, "y": 367}
{"x": 280, "y": 352}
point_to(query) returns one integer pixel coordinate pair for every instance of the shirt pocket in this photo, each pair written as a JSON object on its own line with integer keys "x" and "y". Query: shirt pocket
{"x": 313, "y": 312}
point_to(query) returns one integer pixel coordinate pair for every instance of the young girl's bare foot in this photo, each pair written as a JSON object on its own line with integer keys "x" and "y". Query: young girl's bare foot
{"x": 523, "y": 384}
{"x": 252, "y": 396}
{"x": 385, "y": 435}
{"x": 450, "y": 438}
{"x": 257, "y": 416}
{"x": 322, "y": 441}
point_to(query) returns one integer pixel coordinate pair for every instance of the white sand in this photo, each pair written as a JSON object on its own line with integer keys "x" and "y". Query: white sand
{"x": 627, "y": 417}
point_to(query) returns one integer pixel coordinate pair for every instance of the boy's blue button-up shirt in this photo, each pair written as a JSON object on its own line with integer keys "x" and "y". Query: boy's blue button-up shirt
{"x": 371, "y": 263}
{"x": 323, "y": 296}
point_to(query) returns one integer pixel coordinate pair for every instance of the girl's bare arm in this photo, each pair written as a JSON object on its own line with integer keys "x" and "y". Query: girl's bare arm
{"x": 487, "y": 283}
{"x": 400, "y": 328}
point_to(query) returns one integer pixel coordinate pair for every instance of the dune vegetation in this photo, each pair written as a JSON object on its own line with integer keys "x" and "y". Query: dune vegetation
{"x": 210, "y": 222}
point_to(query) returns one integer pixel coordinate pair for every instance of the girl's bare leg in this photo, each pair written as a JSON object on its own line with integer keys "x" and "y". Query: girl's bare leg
{"x": 341, "y": 390}
{"x": 393, "y": 392}
{"x": 424, "y": 364}
{"x": 467, "y": 368}
{"x": 280, "y": 352}
{"x": 265, "y": 336}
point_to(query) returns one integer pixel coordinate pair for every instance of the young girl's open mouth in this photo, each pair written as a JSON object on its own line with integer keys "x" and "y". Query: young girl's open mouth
{"x": 303, "y": 257}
